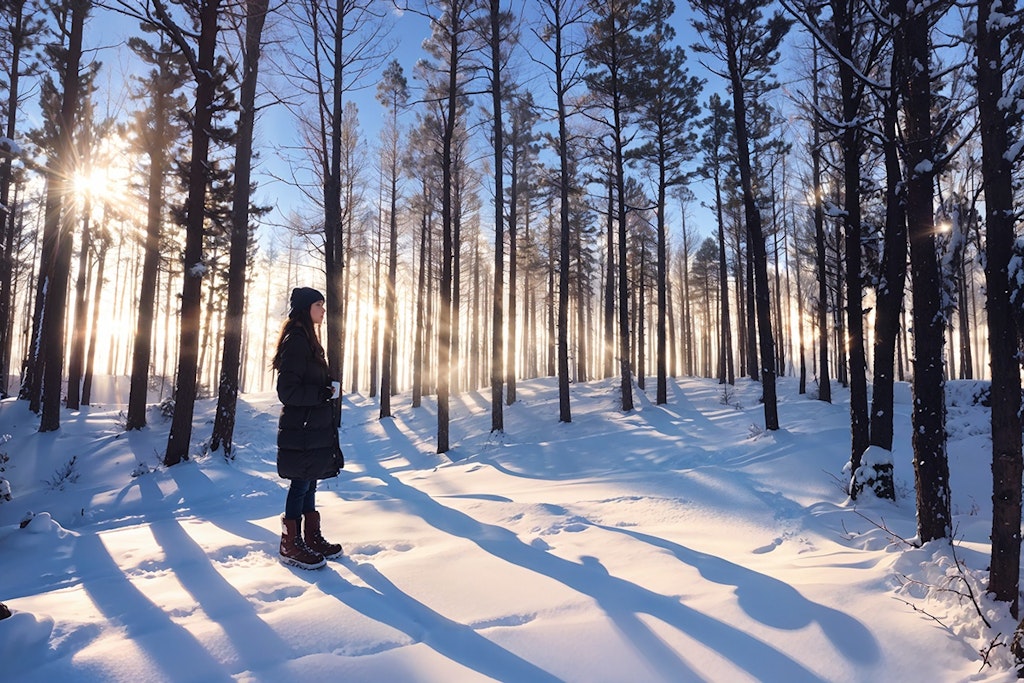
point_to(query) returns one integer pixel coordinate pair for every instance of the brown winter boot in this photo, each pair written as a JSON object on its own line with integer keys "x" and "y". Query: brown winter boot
{"x": 313, "y": 538}
{"x": 294, "y": 550}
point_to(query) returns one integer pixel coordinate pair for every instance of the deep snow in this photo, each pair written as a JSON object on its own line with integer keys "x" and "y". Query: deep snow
{"x": 674, "y": 543}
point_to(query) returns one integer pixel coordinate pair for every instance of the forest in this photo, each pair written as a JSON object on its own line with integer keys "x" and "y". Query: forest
{"x": 547, "y": 188}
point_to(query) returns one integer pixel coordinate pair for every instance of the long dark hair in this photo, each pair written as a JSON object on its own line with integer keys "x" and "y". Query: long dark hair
{"x": 299, "y": 320}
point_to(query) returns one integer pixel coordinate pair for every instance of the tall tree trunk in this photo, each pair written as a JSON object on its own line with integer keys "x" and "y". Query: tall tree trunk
{"x": 641, "y": 326}
{"x": 609, "y": 284}
{"x": 824, "y": 381}
{"x": 76, "y": 359}
{"x": 16, "y": 31}
{"x": 497, "y": 311}
{"x": 143, "y": 342}
{"x": 391, "y": 298}
{"x": 1003, "y": 337}
{"x": 59, "y": 220}
{"x": 581, "y": 310}
{"x": 456, "y": 366}
{"x": 421, "y": 302}
{"x": 227, "y": 398}
{"x": 625, "y": 371}
{"x": 337, "y": 270}
{"x": 551, "y": 342}
{"x": 90, "y": 356}
{"x": 964, "y": 320}
{"x": 751, "y": 317}
{"x": 561, "y": 90}
{"x": 446, "y": 325}
{"x": 889, "y": 294}
{"x": 660, "y": 335}
{"x": 800, "y": 312}
{"x": 688, "y": 341}
{"x": 852, "y": 143}
{"x": 726, "y": 367}
{"x": 511, "y": 345}
{"x": 931, "y": 468}
{"x": 375, "y": 340}
{"x": 180, "y": 437}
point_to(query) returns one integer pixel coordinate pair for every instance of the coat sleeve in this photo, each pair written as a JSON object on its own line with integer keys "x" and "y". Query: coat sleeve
{"x": 293, "y": 387}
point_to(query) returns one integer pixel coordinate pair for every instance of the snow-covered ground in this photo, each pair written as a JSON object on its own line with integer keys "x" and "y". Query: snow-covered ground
{"x": 674, "y": 543}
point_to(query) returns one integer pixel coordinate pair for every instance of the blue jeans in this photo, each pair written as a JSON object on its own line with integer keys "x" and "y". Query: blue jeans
{"x": 301, "y": 498}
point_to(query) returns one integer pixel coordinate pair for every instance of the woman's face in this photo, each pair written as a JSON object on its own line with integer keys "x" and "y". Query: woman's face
{"x": 317, "y": 312}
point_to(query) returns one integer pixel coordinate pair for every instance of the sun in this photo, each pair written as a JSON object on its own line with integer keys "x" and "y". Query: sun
{"x": 91, "y": 183}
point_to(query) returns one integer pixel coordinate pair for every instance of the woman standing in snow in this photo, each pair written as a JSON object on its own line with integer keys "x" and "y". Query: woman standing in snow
{"x": 307, "y": 434}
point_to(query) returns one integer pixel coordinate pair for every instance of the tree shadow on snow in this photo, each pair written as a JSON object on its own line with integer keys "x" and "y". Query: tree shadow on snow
{"x": 622, "y": 599}
{"x": 772, "y": 602}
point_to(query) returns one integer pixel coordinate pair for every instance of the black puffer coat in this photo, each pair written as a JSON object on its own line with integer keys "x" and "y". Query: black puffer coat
{"x": 307, "y": 436}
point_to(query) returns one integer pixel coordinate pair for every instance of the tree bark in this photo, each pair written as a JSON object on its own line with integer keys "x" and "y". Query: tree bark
{"x": 59, "y": 220}
{"x": 180, "y": 436}
{"x": 143, "y": 342}
{"x": 497, "y": 311}
{"x": 18, "y": 37}
{"x": 1004, "y": 341}
{"x": 231, "y": 357}
{"x": 889, "y": 294}
{"x": 931, "y": 468}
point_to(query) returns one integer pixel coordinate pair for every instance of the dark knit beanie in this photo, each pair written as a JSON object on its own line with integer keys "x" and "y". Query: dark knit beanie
{"x": 301, "y": 300}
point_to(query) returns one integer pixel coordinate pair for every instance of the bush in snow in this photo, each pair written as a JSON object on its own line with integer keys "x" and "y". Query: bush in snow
{"x": 67, "y": 473}
{"x": 167, "y": 408}
{"x": 5, "y": 490}
{"x": 874, "y": 474}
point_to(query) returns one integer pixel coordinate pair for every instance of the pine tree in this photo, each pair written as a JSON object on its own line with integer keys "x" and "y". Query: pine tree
{"x": 522, "y": 151}
{"x": 747, "y": 44}
{"x": 393, "y": 93}
{"x": 227, "y": 397}
{"x": 87, "y": 143}
{"x": 499, "y": 35}
{"x": 614, "y": 53}
{"x": 58, "y": 228}
{"x": 557, "y": 23}
{"x": 157, "y": 131}
{"x": 23, "y": 27}
{"x": 717, "y": 146}
{"x": 670, "y": 105}
{"x": 448, "y": 45}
